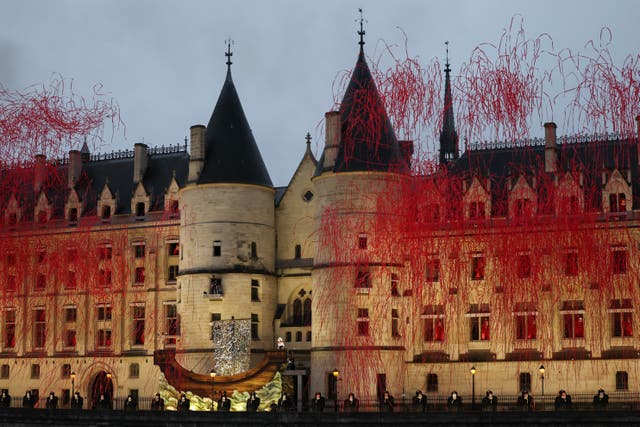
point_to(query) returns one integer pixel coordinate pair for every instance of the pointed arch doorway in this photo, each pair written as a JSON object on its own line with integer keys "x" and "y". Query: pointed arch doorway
{"x": 101, "y": 384}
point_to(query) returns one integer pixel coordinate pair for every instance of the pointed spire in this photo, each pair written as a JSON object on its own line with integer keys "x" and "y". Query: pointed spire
{"x": 228, "y": 54}
{"x": 361, "y": 33}
{"x": 308, "y": 140}
{"x": 448, "y": 136}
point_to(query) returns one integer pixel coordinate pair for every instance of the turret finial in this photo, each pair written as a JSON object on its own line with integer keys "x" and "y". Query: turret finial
{"x": 361, "y": 33}
{"x": 228, "y": 53}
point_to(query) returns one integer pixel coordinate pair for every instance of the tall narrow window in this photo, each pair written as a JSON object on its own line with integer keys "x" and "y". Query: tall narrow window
{"x": 617, "y": 202}
{"x": 432, "y": 382}
{"x": 619, "y": 260}
{"x": 477, "y": 267}
{"x": 172, "y": 274}
{"x": 362, "y": 241}
{"x": 362, "y": 322}
{"x": 476, "y": 210}
{"x": 573, "y": 319}
{"x": 12, "y": 283}
{"x": 39, "y": 328}
{"x": 255, "y": 290}
{"x": 69, "y": 337}
{"x": 394, "y": 285}
{"x": 139, "y": 273}
{"x": 134, "y": 370}
{"x": 106, "y": 213}
{"x": 217, "y": 248}
{"x": 9, "y": 329}
{"x": 5, "y": 372}
{"x": 622, "y": 380}
{"x": 140, "y": 209}
{"x": 172, "y": 326}
{"x": 215, "y": 286}
{"x": 104, "y": 338}
{"x": 255, "y": 327}
{"x": 298, "y": 252}
{"x": 524, "y": 266}
{"x": 621, "y": 318}
{"x": 103, "y": 327}
{"x": 41, "y": 282}
{"x": 73, "y": 215}
{"x": 297, "y": 312}
{"x": 362, "y": 278}
{"x": 105, "y": 252}
{"x": 395, "y": 323}
{"x": 71, "y": 280}
{"x": 525, "y": 315}
{"x": 139, "y": 250}
{"x": 571, "y": 263}
{"x": 479, "y": 315}
{"x": 173, "y": 249}
{"x": 433, "y": 317}
{"x": 215, "y": 317}
{"x": 306, "y": 312}
{"x": 254, "y": 250}
{"x": 138, "y": 325}
{"x": 432, "y": 270}
{"x": 524, "y": 381}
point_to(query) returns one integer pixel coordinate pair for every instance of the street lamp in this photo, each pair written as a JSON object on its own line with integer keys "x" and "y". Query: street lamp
{"x": 109, "y": 376}
{"x": 73, "y": 384}
{"x": 336, "y": 374}
{"x": 212, "y": 374}
{"x": 541, "y": 369}
{"x": 473, "y": 387}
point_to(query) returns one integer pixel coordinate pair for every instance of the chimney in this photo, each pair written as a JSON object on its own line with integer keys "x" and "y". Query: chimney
{"x": 333, "y": 138}
{"x": 550, "y": 147}
{"x": 39, "y": 172}
{"x": 75, "y": 168}
{"x": 196, "y": 158}
{"x": 406, "y": 148}
{"x": 140, "y": 159}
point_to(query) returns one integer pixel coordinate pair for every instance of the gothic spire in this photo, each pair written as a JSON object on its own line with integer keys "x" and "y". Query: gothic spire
{"x": 448, "y": 135}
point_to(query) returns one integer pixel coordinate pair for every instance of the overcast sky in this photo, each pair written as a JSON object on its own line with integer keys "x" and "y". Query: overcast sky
{"x": 163, "y": 61}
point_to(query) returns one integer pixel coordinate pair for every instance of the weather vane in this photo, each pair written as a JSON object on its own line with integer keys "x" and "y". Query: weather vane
{"x": 228, "y": 53}
{"x": 361, "y": 33}
{"x": 446, "y": 44}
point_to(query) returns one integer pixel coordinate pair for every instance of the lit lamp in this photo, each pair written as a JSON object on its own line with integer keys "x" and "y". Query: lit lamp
{"x": 212, "y": 374}
{"x": 473, "y": 387}
{"x": 336, "y": 374}
{"x": 73, "y": 384}
{"x": 541, "y": 369}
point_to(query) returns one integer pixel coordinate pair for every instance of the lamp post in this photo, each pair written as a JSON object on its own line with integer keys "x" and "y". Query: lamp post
{"x": 109, "y": 376}
{"x": 541, "y": 369}
{"x": 473, "y": 387}
{"x": 73, "y": 384}
{"x": 212, "y": 374}
{"x": 336, "y": 374}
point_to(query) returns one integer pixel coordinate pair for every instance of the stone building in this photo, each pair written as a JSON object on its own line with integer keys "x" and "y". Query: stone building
{"x": 125, "y": 254}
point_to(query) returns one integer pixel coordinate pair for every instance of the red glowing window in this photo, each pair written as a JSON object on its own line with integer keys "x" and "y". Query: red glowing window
{"x": 479, "y": 328}
{"x": 70, "y": 338}
{"x": 104, "y": 313}
{"x": 526, "y": 326}
{"x": 621, "y": 318}
{"x": 477, "y": 267}
{"x": 573, "y": 319}
{"x": 139, "y": 275}
{"x": 571, "y": 264}
{"x": 363, "y": 279}
{"x": 174, "y": 249}
{"x": 617, "y": 202}
{"x": 362, "y": 241}
{"x": 104, "y": 338}
{"x": 433, "y": 317}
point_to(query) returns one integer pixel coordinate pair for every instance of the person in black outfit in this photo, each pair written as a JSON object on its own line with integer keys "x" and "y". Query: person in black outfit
{"x": 351, "y": 404}
{"x": 489, "y": 402}
{"x": 130, "y": 405}
{"x": 601, "y": 400}
{"x": 28, "y": 401}
{"x": 317, "y": 404}
{"x": 224, "y": 404}
{"x": 525, "y": 401}
{"x": 419, "y": 402}
{"x": 253, "y": 402}
{"x": 563, "y": 401}
{"x": 454, "y": 402}
{"x": 285, "y": 403}
{"x": 5, "y": 399}
{"x": 386, "y": 403}
{"x": 76, "y": 401}
{"x": 184, "y": 404}
{"x": 157, "y": 404}
{"x": 52, "y": 401}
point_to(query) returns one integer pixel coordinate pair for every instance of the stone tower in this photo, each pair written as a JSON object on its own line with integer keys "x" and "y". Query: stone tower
{"x": 227, "y": 235}
{"x": 362, "y": 169}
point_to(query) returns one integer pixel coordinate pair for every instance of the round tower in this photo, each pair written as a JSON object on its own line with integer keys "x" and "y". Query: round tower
{"x": 357, "y": 263}
{"x": 227, "y": 238}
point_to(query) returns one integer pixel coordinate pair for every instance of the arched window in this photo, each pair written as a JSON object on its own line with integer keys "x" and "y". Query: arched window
{"x": 297, "y": 312}
{"x": 306, "y": 312}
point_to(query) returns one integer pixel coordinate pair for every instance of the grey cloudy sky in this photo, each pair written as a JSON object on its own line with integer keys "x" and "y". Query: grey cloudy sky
{"x": 163, "y": 61}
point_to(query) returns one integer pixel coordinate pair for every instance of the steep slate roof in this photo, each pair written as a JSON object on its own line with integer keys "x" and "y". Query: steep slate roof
{"x": 368, "y": 141}
{"x": 231, "y": 152}
{"x": 591, "y": 158}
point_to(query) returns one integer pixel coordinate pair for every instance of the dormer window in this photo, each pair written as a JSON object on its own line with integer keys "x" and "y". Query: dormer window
{"x": 140, "y": 211}
{"x": 106, "y": 213}
{"x": 73, "y": 216}
{"x": 13, "y": 219}
{"x": 617, "y": 202}
{"x": 42, "y": 217}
